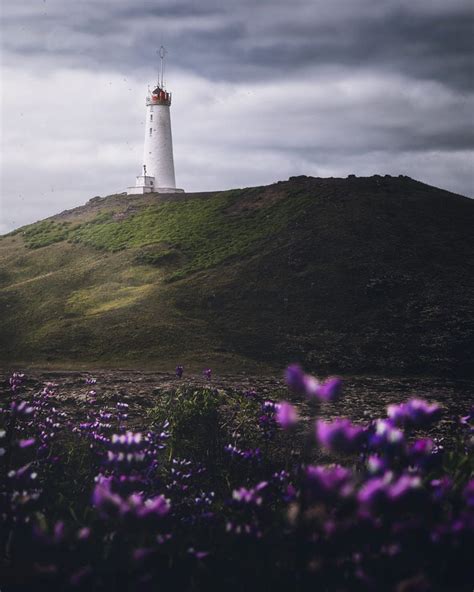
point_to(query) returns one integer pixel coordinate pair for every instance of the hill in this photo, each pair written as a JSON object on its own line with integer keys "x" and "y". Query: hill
{"x": 353, "y": 275}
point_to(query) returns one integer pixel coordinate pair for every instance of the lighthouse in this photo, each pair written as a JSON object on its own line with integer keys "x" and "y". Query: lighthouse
{"x": 158, "y": 165}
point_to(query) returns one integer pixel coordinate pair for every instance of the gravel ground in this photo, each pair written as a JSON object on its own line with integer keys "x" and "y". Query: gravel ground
{"x": 364, "y": 397}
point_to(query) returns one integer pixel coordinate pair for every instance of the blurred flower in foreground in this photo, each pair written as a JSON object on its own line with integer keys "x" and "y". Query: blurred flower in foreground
{"x": 250, "y": 496}
{"x": 386, "y": 438}
{"x": 329, "y": 482}
{"x": 286, "y": 415}
{"x": 311, "y": 387}
{"x": 424, "y": 453}
{"x": 469, "y": 418}
{"x": 415, "y": 413}
{"x": 330, "y": 389}
{"x": 383, "y": 492}
{"x": 469, "y": 493}
{"x": 376, "y": 465}
{"x": 21, "y": 408}
{"x": 110, "y": 504}
{"x": 340, "y": 435}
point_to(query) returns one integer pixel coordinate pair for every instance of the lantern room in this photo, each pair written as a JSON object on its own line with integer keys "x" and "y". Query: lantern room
{"x": 159, "y": 97}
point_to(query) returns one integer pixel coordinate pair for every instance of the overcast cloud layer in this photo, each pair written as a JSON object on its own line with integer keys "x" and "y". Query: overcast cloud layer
{"x": 261, "y": 91}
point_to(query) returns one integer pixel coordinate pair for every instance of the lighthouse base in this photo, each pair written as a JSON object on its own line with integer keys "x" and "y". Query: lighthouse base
{"x": 147, "y": 189}
{"x": 168, "y": 190}
{"x": 146, "y": 184}
{"x": 139, "y": 190}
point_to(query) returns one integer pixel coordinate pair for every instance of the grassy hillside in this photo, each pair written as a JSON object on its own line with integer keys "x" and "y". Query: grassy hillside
{"x": 356, "y": 275}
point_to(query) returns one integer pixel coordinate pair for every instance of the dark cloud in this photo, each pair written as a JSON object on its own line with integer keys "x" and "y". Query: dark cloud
{"x": 264, "y": 89}
{"x": 424, "y": 46}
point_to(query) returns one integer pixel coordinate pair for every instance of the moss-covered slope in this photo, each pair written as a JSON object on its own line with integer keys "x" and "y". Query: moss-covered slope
{"x": 359, "y": 274}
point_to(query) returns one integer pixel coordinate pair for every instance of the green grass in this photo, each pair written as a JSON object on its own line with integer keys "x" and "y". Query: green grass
{"x": 45, "y": 233}
{"x": 108, "y": 297}
{"x": 157, "y": 256}
{"x": 247, "y": 278}
{"x": 202, "y": 230}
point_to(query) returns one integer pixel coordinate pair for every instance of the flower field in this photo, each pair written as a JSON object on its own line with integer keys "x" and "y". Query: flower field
{"x": 213, "y": 486}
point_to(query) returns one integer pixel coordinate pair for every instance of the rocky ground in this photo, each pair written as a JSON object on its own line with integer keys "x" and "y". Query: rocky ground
{"x": 364, "y": 398}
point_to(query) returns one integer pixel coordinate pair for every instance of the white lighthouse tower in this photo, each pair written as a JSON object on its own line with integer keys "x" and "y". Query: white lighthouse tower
{"x": 158, "y": 165}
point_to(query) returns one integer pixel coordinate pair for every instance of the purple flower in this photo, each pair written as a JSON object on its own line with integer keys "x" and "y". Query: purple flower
{"x": 83, "y": 533}
{"x": 110, "y": 504}
{"x": 286, "y": 415}
{"x": 267, "y": 419}
{"x": 127, "y": 440}
{"x": 311, "y": 387}
{"x": 16, "y": 380}
{"x": 406, "y": 489}
{"x": 80, "y": 575}
{"x": 468, "y": 420}
{"x": 441, "y": 487}
{"x": 247, "y": 454}
{"x": 22, "y": 408}
{"x": 141, "y": 554}
{"x": 468, "y": 493}
{"x": 422, "y": 447}
{"x": 382, "y": 492}
{"x": 156, "y": 506}
{"x": 295, "y": 378}
{"x": 26, "y": 443}
{"x": 340, "y": 435}
{"x": 330, "y": 389}
{"x": 329, "y": 482}
{"x": 207, "y": 373}
{"x": 179, "y": 371}
{"x": 376, "y": 465}
{"x": 373, "y": 494}
{"x": 301, "y": 383}
{"x": 198, "y": 554}
{"x": 423, "y": 453}
{"x": 469, "y": 417}
{"x": 415, "y": 413}
{"x": 250, "y": 394}
{"x": 250, "y": 496}
{"x": 290, "y": 493}
{"x": 58, "y": 532}
{"x": 386, "y": 437}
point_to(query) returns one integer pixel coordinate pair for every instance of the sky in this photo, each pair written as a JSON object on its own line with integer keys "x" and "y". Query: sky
{"x": 262, "y": 90}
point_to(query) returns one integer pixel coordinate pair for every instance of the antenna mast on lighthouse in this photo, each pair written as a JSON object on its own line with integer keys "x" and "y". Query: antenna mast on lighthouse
{"x": 162, "y": 53}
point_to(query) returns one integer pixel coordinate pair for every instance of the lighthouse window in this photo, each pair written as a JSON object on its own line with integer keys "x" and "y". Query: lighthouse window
{"x": 151, "y": 130}
{"x": 151, "y": 117}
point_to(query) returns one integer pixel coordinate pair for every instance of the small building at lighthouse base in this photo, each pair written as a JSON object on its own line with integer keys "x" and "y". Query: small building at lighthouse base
{"x": 146, "y": 184}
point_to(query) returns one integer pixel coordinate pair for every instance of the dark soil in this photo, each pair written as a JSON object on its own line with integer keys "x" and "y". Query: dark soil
{"x": 364, "y": 397}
